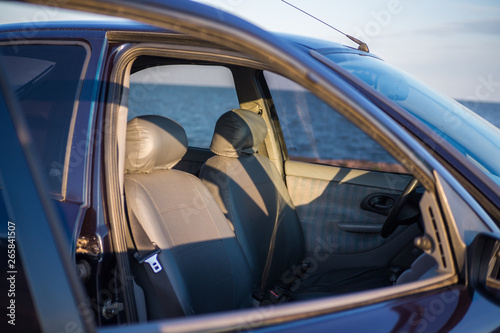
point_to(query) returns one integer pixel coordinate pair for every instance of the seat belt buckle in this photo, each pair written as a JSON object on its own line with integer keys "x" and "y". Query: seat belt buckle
{"x": 151, "y": 258}
{"x": 154, "y": 263}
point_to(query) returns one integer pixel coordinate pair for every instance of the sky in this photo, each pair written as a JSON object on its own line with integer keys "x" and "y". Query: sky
{"x": 451, "y": 45}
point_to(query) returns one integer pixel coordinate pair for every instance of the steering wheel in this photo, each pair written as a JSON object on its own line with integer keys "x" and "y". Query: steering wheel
{"x": 391, "y": 223}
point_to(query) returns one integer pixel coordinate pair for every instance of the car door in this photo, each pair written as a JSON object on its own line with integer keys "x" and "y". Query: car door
{"x": 342, "y": 183}
{"x": 55, "y": 85}
{"x": 29, "y": 219}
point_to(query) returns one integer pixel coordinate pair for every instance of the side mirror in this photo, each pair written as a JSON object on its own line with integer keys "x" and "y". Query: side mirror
{"x": 484, "y": 266}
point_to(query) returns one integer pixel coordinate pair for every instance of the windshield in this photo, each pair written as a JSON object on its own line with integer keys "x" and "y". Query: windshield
{"x": 474, "y": 137}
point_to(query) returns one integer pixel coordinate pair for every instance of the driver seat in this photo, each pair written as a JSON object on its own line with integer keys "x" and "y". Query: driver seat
{"x": 255, "y": 199}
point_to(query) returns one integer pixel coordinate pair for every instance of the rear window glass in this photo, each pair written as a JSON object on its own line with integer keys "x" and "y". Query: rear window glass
{"x": 46, "y": 80}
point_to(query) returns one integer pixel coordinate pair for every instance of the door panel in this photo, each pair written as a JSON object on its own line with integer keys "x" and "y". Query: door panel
{"x": 328, "y": 201}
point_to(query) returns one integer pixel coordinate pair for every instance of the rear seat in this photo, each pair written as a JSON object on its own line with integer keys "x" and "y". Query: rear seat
{"x": 193, "y": 160}
{"x": 203, "y": 260}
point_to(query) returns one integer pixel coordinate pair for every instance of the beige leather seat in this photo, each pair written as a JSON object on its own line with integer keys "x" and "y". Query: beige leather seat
{"x": 254, "y": 198}
{"x": 200, "y": 253}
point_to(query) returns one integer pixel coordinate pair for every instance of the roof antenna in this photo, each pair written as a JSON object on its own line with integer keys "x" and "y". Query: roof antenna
{"x": 361, "y": 45}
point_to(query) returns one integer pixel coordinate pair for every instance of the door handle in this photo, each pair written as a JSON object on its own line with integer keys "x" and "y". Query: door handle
{"x": 380, "y": 203}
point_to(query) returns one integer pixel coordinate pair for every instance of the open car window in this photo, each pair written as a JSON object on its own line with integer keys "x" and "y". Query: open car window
{"x": 193, "y": 95}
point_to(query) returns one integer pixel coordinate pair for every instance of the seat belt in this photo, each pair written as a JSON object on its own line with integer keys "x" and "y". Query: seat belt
{"x": 147, "y": 252}
{"x": 280, "y": 292}
{"x": 270, "y": 252}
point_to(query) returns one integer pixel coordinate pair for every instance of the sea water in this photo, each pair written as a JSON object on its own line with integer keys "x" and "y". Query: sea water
{"x": 318, "y": 133}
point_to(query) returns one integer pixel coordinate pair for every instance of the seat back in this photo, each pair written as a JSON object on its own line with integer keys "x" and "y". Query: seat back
{"x": 203, "y": 260}
{"x": 253, "y": 196}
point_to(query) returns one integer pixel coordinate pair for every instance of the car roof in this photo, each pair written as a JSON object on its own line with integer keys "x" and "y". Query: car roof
{"x": 303, "y": 42}
{"x": 98, "y": 25}
{"x": 313, "y": 43}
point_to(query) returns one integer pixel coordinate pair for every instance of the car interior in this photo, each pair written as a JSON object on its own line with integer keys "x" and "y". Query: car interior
{"x": 235, "y": 200}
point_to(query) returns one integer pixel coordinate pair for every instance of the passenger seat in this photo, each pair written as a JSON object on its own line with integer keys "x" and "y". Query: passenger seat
{"x": 254, "y": 197}
{"x": 202, "y": 258}
{"x": 252, "y": 194}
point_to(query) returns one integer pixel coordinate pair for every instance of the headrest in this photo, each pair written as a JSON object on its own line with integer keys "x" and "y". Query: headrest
{"x": 238, "y": 132}
{"x": 153, "y": 142}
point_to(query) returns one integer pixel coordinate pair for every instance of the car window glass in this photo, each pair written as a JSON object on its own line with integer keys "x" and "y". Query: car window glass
{"x": 193, "y": 95}
{"x": 314, "y": 132}
{"x": 473, "y": 136}
{"x": 46, "y": 81}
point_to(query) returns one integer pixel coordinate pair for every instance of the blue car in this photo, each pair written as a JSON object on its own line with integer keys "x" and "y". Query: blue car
{"x": 187, "y": 171}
